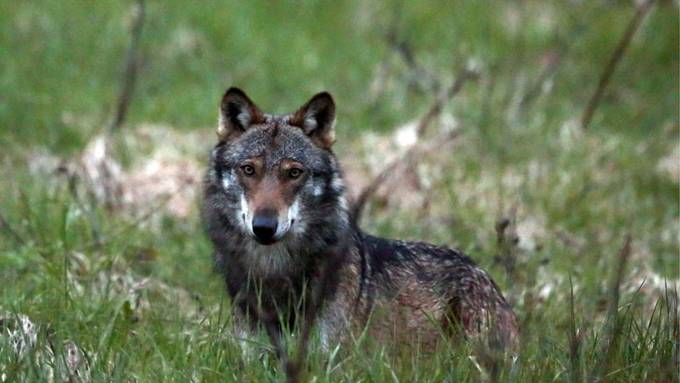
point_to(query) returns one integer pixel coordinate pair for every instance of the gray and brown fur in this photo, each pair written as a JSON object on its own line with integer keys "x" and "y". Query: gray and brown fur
{"x": 275, "y": 209}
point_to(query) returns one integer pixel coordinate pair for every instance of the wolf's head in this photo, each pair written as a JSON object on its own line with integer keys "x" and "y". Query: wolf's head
{"x": 274, "y": 179}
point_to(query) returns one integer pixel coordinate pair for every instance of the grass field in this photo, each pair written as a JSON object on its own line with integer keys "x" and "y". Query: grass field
{"x": 126, "y": 292}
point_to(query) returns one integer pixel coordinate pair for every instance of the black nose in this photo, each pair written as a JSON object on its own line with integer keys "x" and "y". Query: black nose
{"x": 264, "y": 228}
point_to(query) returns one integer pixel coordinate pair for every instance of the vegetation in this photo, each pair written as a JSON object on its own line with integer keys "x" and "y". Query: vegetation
{"x": 96, "y": 290}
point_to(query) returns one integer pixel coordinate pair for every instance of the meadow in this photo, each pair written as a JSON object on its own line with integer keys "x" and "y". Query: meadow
{"x": 106, "y": 274}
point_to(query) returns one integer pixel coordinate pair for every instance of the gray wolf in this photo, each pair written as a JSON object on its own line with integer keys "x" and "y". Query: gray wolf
{"x": 276, "y": 211}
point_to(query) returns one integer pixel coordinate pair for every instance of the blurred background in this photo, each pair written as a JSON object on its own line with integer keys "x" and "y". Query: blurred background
{"x": 475, "y": 109}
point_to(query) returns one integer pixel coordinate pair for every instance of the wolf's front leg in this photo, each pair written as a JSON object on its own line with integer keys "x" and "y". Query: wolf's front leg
{"x": 253, "y": 342}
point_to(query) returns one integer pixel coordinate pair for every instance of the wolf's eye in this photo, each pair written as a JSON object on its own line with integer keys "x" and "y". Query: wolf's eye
{"x": 248, "y": 170}
{"x": 294, "y": 173}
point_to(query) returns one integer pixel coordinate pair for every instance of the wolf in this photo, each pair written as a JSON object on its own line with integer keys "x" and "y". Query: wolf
{"x": 275, "y": 207}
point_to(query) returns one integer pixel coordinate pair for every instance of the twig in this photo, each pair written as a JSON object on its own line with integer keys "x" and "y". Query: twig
{"x": 506, "y": 241}
{"x": 614, "y": 59}
{"x": 617, "y": 278}
{"x": 435, "y": 109}
{"x": 95, "y": 229}
{"x": 554, "y": 59}
{"x": 574, "y": 339}
{"x": 404, "y": 50}
{"x": 411, "y": 155}
{"x": 131, "y": 68}
{"x": 4, "y": 225}
{"x": 379, "y": 83}
{"x": 149, "y": 213}
{"x": 415, "y": 151}
{"x": 613, "y": 323}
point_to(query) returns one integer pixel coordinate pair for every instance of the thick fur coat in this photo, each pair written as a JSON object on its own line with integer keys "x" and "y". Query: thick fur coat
{"x": 276, "y": 211}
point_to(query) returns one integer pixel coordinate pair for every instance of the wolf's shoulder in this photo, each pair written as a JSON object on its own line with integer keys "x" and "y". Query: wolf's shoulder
{"x": 384, "y": 251}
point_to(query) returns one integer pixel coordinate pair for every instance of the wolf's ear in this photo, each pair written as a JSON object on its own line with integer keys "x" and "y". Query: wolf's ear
{"x": 237, "y": 113}
{"x": 317, "y": 119}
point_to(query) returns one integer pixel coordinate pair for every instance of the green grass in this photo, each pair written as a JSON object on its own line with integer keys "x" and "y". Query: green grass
{"x": 139, "y": 298}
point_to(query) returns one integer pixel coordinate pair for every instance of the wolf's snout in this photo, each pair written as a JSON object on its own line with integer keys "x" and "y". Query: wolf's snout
{"x": 264, "y": 228}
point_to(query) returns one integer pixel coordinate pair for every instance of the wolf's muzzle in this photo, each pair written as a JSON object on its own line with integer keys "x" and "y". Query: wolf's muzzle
{"x": 264, "y": 228}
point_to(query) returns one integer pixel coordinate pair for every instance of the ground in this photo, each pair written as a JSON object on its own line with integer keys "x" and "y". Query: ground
{"x": 109, "y": 278}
